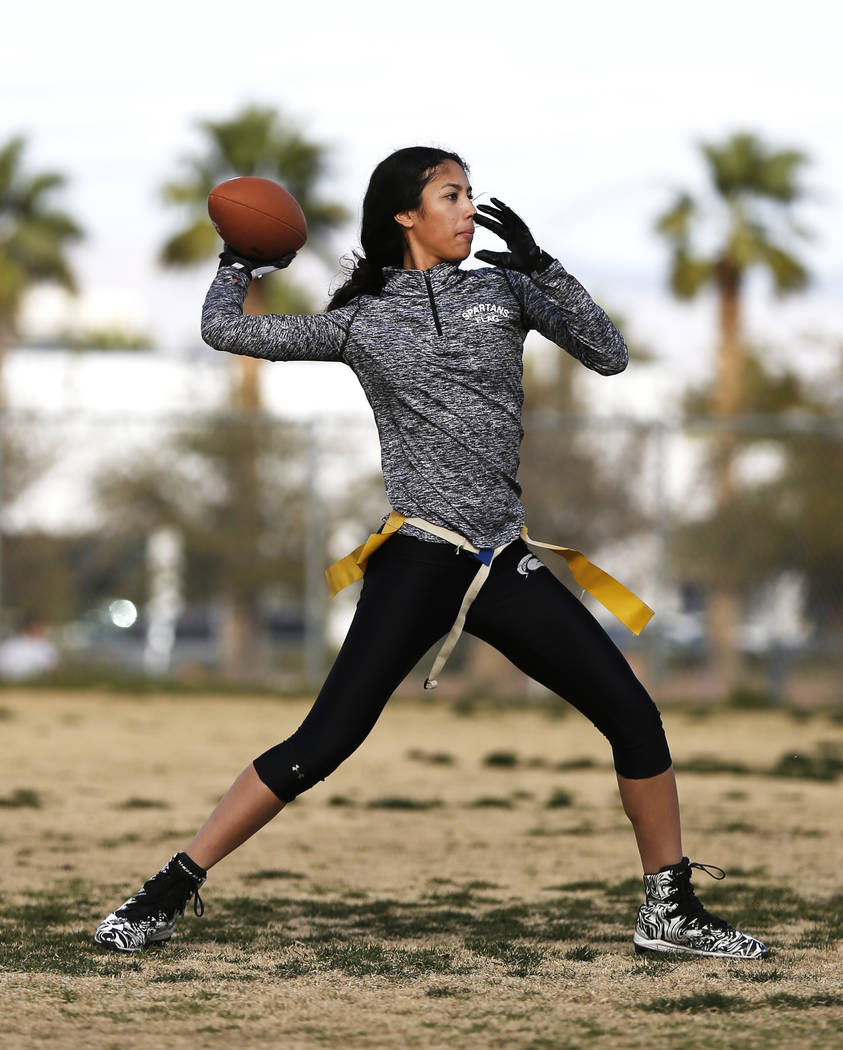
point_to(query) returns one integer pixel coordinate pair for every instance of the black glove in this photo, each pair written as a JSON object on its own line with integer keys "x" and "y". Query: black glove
{"x": 229, "y": 257}
{"x": 524, "y": 254}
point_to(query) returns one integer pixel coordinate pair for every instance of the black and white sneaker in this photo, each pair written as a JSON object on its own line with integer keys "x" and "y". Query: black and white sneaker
{"x": 672, "y": 919}
{"x": 150, "y": 916}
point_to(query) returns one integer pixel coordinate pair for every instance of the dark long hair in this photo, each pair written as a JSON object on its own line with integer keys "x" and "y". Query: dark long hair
{"x": 396, "y": 185}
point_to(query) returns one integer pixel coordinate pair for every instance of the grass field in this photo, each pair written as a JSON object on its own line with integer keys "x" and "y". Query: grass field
{"x": 465, "y": 880}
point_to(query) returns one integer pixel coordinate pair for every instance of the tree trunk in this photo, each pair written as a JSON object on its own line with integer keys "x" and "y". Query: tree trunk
{"x": 490, "y": 672}
{"x": 3, "y": 344}
{"x": 4, "y": 431}
{"x": 724, "y": 610}
{"x": 243, "y": 655}
{"x": 240, "y": 642}
{"x": 246, "y": 389}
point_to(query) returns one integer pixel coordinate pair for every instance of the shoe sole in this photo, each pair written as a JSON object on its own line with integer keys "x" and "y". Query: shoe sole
{"x": 111, "y": 947}
{"x": 642, "y": 947}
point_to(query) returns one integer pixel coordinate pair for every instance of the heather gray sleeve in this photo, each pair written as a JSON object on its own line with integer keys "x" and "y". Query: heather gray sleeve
{"x": 274, "y": 337}
{"x": 557, "y": 306}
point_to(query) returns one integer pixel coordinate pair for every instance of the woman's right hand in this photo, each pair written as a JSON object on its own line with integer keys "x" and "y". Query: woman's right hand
{"x": 228, "y": 257}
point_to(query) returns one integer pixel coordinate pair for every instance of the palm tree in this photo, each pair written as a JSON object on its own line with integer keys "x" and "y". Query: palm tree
{"x": 33, "y": 240}
{"x": 748, "y": 209}
{"x": 256, "y": 141}
{"x": 34, "y": 237}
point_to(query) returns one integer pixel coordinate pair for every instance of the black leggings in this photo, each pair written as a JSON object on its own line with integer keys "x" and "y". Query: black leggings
{"x": 411, "y": 593}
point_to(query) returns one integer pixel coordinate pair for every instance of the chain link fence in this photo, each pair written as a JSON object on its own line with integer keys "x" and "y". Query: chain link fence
{"x": 195, "y": 546}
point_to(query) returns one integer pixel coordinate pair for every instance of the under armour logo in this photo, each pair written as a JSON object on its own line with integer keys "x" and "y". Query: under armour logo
{"x": 528, "y": 564}
{"x": 297, "y": 772}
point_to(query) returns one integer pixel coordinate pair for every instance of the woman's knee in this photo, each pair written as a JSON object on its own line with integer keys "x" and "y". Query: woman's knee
{"x": 639, "y": 745}
{"x": 636, "y": 734}
{"x": 289, "y": 769}
{"x": 642, "y": 759}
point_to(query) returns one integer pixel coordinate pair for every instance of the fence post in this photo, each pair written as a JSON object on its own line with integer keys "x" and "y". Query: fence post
{"x": 314, "y": 569}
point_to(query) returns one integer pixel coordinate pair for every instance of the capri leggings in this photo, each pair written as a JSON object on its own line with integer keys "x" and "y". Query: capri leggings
{"x": 411, "y": 593}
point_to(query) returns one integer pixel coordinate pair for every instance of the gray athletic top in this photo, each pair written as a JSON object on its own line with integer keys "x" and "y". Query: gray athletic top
{"x": 438, "y": 354}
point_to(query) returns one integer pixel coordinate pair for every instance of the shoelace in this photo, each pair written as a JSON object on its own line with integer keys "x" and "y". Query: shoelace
{"x": 168, "y": 893}
{"x": 688, "y": 902}
{"x": 710, "y": 869}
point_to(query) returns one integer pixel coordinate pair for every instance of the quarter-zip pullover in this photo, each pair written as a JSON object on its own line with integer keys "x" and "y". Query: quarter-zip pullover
{"x": 439, "y": 355}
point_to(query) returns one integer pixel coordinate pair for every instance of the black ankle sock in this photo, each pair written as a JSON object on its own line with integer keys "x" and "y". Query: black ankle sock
{"x": 190, "y": 866}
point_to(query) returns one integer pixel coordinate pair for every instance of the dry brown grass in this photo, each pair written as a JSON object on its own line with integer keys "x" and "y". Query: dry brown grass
{"x": 455, "y": 925}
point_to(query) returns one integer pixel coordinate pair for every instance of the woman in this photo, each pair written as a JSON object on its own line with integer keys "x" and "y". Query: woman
{"x": 437, "y": 350}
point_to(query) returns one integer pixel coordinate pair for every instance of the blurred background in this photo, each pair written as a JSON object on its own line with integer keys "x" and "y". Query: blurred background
{"x": 167, "y": 511}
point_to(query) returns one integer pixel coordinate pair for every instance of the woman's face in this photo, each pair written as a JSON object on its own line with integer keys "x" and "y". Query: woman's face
{"x": 442, "y": 228}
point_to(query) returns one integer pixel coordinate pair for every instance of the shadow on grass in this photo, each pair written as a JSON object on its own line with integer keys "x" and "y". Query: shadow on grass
{"x": 824, "y": 764}
{"x": 22, "y": 798}
{"x": 719, "y": 1002}
{"x": 358, "y": 936}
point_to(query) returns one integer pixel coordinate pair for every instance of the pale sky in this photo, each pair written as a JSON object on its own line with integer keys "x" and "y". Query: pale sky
{"x": 581, "y": 116}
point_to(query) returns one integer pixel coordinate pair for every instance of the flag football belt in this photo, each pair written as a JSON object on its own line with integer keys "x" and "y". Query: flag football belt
{"x": 612, "y": 594}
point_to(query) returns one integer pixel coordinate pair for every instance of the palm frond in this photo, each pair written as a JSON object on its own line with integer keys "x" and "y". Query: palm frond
{"x": 689, "y": 274}
{"x": 193, "y": 244}
{"x": 34, "y": 234}
{"x": 745, "y": 165}
{"x": 787, "y": 272}
{"x": 325, "y": 216}
{"x": 33, "y": 249}
{"x": 777, "y": 177}
{"x": 184, "y": 192}
{"x": 56, "y": 224}
{"x": 10, "y": 155}
{"x": 242, "y": 143}
{"x": 733, "y": 165}
{"x": 744, "y": 244}
{"x": 284, "y": 296}
{"x": 32, "y": 192}
{"x": 675, "y": 222}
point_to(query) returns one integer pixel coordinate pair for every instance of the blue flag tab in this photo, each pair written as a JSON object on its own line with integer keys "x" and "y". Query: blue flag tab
{"x": 485, "y": 554}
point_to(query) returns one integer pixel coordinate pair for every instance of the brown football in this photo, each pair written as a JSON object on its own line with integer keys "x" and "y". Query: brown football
{"x": 257, "y": 218}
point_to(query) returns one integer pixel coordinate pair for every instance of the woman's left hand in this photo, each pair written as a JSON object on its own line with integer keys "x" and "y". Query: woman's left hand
{"x": 524, "y": 254}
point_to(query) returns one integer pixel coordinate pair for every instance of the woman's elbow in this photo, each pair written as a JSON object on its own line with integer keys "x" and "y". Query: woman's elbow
{"x": 618, "y": 363}
{"x": 608, "y": 362}
{"x": 616, "y": 356}
{"x": 215, "y": 335}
